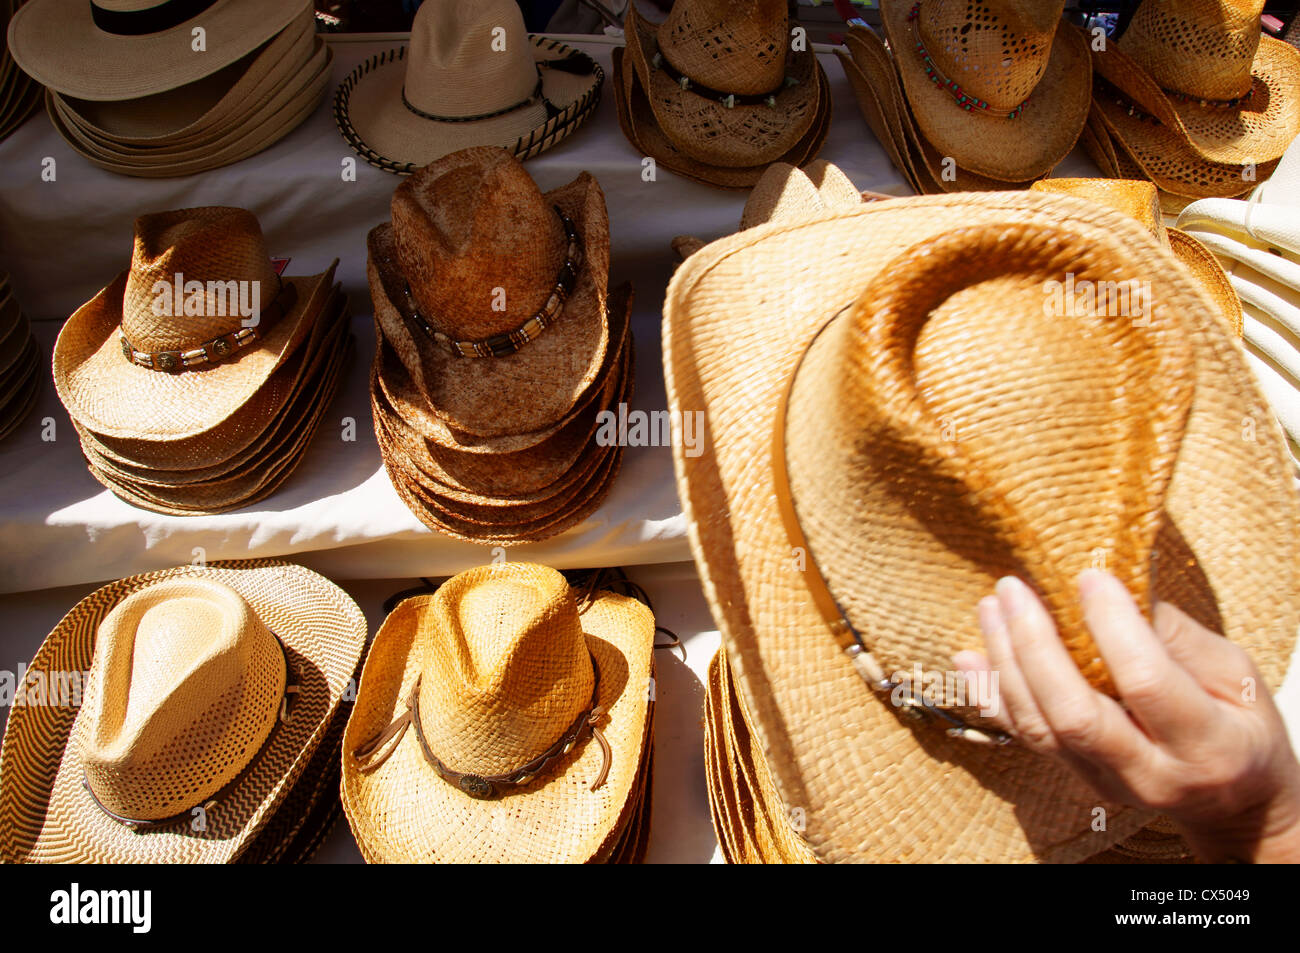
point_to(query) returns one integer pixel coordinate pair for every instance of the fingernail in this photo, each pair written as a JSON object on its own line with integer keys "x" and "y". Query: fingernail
{"x": 1013, "y": 596}
{"x": 1092, "y": 582}
{"x": 968, "y": 660}
{"x": 990, "y": 615}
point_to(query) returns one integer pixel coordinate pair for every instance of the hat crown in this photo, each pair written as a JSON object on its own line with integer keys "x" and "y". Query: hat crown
{"x": 185, "y": 686}
{"x": 505, "y": 667}
{"x": 1137, "y": 199}
{"x": 469, "y": 59}
{"x": 995, "y": 50}
{"x": 1201, "y": 48}
{"x": 192, "y": 270}
{"x": 480, "y": 246}
{"x": 733, "y": 47}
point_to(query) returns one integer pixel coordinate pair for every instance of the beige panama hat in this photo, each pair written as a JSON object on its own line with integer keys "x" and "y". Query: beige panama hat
{"x": 470, "y": 77}
{"x": 505, "y": 718}
{"x": 927, "y": 344}
{"x": 125, "y": 49}
{"x": 128, "y": 365}
{"x": 1001, "y": 87}
{"x": 207, "y": 692}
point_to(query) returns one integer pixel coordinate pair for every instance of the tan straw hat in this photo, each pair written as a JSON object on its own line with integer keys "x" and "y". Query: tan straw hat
{"x": 1000, "y": 86}
{"x": 125, "y": 49}
{"x": 128, "y": 365}
{"x": 491, "y": 293}
{"x": 471, "y": 77}
{"x": 929, "y": 344}
{"x": 504, "y": 718}
{"x": 207, "y": 691}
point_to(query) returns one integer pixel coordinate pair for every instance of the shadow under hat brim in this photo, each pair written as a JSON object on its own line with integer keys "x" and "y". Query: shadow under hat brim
{"x": 57, "y": 43}
{"x": 107, "y": 394}
{"x": 1010, "y": 150}
{"x": 534, "y": 387}
{"x": 403, "y": 812}
{"x": 859, "y": 785}
{"x": 48, "y": 814}
{"x": 682, "y": 114}
{"x": 370, "y": 113}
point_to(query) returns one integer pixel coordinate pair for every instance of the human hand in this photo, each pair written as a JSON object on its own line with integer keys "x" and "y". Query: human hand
{"x": 1197, "y": 736}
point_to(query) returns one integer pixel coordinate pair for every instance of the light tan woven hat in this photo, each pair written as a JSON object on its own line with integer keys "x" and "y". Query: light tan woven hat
{"x": 471, "y": 77}
{"x": 124, "y": 49}
{"x": 1000, "y": 86}
{"x": 207, "y": 691}
{"x": 493, "y": 294}
{"x": 1141, "y": 201}
{"x": 918, "y": 343}
{"x": 723, "y": 80}
{"x": 127, "y": 366}
{"x": 1204, "y": 70}
{"x": 502, "y": 719}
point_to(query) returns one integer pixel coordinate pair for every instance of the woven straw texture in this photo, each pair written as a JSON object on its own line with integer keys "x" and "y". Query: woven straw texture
{"x": 873, "y": 788}
{"x": 510, "y": 643}
{"x": 46, "y": 815}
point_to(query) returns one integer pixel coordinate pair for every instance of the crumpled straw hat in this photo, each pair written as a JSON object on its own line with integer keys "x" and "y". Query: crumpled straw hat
{"x": 907, "y": 343}
{"x": 505, "y": 718}
{"x": 126, "y": 49}
{"x": 720, "y": 117}
{"x": 208, "y": 688}
{"x": 454, "y": 87}
{"x": 1001, "y": 87}
{"x": 20, "y": 362}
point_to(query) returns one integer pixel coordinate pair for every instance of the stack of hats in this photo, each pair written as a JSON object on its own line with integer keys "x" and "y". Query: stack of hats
{"x": 19, "y": 94}
{"x": 890, "y": 400}
{"x": 127, "y": 90}
{"x": 971, "y": 96}
{"x": 207, "y": 730}
{"x": 720, "y": 90}
{"x": 471, "y": 77}
{"x": 499, "y": 355}
{"x": 20, "y": 377}
{"x": 198, "y": 377}
{"x": 1195, "y": 98}
{"x": 506, "y": 718}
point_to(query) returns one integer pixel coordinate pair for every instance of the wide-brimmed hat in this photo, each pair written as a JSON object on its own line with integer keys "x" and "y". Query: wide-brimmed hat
{"x": 470, "y": 77}
{"x": 503, "y": 718}
{"x": 19, "y": 93}
{"x": 125, "y": 49}
{"x": 127, "y": 365}
{"x": 20, "y": 363}
{"x": 493, "y": 294}
{"x": 1205, "y": 71}
{"x": 208, "y": 690}
{"x": 828, "y": 584}
{"x": 1001, "y": 87}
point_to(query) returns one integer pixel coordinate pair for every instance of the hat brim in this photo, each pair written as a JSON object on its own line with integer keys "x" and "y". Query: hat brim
{"x": 107, "y": 394}
{"x": 370, "y": 113}
{"x": 982, "y": 804}
{"x": 58, "y": 44}
{"x": 403, "y": 812}
{"x": 1010, "y": 150}
{"x": 51, "y": 817}
{"x": 533, "y": 388}
{"x": 709, "y": 132}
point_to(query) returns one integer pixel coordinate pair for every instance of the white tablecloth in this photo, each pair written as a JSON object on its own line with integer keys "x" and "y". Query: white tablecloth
{"x": 62, "y": 241}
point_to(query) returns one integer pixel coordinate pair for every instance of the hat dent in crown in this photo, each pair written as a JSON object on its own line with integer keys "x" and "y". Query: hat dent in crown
{"x": 185, "y": 687}
{"x": 1200, "y": 48}
{"x": 506, "y": 667}
{"x": 996, "y": 50}
{"x": 474, "y": 237}
{"x": 731, "y": 47}
{"x": 220, "y": 249}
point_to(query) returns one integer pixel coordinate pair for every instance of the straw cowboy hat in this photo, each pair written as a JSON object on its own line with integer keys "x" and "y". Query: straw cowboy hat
{"x": 1140, "y": 200}
{"x": 828, "y": 586}
{"x": 126, "y": 49}
{"x": 1002, "y": 87}
{"x": 208, "y": 692}
{"x": 502, "y": 719}
{"x": 128, "y": 365}
{"x": 491, "y": 293}
{"x": 472, "y": 77}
